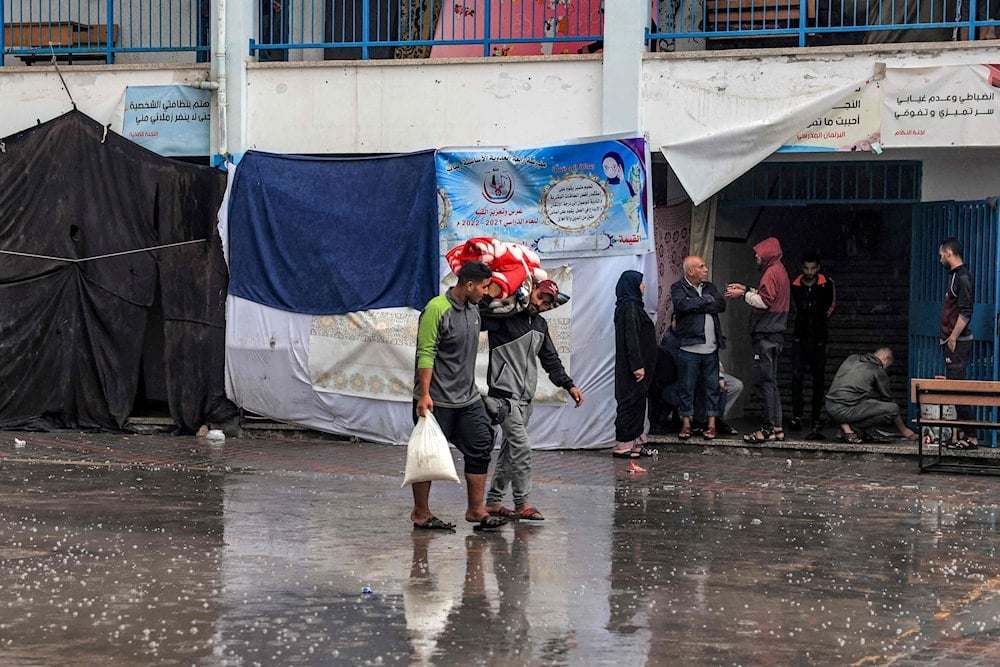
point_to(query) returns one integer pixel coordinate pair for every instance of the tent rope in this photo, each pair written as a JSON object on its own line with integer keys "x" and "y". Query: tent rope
{"x": 87, "y": 259}
{"x": 65, "y": 87}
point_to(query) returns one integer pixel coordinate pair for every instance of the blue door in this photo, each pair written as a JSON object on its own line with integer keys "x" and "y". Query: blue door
{"x": 975, "y": 224}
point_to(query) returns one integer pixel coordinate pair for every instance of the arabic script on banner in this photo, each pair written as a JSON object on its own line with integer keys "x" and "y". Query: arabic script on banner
{"x": 169, "y": 120}
{"x": 942, "y": 106}
{"x": 852, "y": 125}
{"x": 576, "y": 200}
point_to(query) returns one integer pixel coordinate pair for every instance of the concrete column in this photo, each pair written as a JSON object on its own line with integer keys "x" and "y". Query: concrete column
{"x": 231, "y": 53}
{"x": 625, "y": 23}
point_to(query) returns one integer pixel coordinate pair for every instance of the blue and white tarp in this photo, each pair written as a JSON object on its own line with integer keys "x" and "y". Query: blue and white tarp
{"x": 326, "y": 236}
{"x": 169, "y": 120}
{"x": 586, "y": 199}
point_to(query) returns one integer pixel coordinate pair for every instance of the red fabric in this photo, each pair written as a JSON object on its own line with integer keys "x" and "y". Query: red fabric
{"x": 774, "y": 288}
{"x": 512, "y": 263}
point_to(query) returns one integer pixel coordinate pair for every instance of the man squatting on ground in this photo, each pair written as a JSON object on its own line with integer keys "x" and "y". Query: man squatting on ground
{"x": 515, "y": 344}
{"x": 768, "y": 316}
{"x": 445, "y": 384}
{"x": 859, "y": 397}
{"x": 697, "y": 304}
{"x": 956, "y": 338}
{"x": 815, "y": 298}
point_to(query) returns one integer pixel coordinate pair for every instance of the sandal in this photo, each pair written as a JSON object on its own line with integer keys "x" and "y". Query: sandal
{"x": 645, "y": 451}
{"x": 758, "y": 437}
{"x": 500, "y": 510}
{"x": 709, "y": 433}
{"x": 777, "y": 434}
{"x": 850, "y": 438}
{"x": 489, "y": 523}
{"x": 685, "y": 434}
{"x": 627, "y": 454}
{"x": 433, "y": 523}
{"x": 529, "y": 513}
{"x": 963, "y": 444}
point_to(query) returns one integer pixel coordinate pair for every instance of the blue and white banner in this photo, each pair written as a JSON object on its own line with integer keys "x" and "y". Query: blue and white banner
{"x": 169, "y": 120}
{"x": 576, "y": 200}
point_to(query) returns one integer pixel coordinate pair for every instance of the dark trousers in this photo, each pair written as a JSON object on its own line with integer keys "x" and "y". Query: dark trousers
{"x": 807, "y": 354}
{"x": 956, "y": 367}
{"x": 869, "y": 413}
{"x": 764, "y": 376}
{"x": 698, "y": 373}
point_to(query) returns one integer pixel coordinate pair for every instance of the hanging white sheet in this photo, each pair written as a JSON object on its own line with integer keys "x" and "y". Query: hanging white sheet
{"x": 734, "y": 121}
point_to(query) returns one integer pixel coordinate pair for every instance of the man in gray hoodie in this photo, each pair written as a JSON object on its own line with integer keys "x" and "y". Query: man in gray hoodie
{"x": 859, "y": 397}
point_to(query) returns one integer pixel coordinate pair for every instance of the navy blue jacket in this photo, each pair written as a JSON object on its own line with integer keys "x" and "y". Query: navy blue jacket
{"x": 690, "y": 310}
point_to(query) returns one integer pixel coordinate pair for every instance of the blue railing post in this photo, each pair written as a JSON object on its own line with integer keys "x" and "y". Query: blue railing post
{"x": 803, "y": 17}
{"x": 365, "y": 27}
{"x": 109, "y": 42}
{"x": 487, "y": 20}
{"x": 972, "y": 20}
{"x": 3, "y": 21}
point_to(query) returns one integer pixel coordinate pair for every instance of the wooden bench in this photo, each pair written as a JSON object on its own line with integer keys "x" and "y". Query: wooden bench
{"x": 941, "y": 392}
{"x": 722, "y": 16}
{"x": 73, "y": 41}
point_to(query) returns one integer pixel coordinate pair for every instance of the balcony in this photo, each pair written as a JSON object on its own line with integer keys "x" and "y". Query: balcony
{"x": 173, "y": 31}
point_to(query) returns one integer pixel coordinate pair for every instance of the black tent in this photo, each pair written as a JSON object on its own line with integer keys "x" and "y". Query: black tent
{"x": 84, "y": 216}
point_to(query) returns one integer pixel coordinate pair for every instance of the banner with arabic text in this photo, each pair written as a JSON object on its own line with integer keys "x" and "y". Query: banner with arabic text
{"x": 941, "y": 106}
{"x": 575, "y": 200}
{"x": 852, "y": 125}
{"x": 169, "y": 120}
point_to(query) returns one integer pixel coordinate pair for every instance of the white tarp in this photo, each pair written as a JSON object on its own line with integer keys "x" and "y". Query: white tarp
{"x": 732, "y": 120}
{"x": 370, "y": 354}
{"x": 267, "y": 368}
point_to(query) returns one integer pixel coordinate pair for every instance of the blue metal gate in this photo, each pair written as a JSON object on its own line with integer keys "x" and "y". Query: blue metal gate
{"x": 976, "y": 225}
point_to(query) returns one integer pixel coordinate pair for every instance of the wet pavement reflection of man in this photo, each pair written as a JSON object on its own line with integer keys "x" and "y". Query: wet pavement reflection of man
{"x": 488, "y": 613}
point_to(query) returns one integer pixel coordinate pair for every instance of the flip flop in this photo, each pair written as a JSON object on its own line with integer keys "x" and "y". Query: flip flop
{"x": 500, "y": 510}
{"x": 627, "y": 454}
{"x": 489, "y": 523}
{"x": 433, "y": 523}
{"x": 530, "y": 514}
{"x": 963, "y": 444}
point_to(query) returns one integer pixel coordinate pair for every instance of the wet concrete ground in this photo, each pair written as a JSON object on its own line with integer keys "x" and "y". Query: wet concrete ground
{"x": 156, "y": 550}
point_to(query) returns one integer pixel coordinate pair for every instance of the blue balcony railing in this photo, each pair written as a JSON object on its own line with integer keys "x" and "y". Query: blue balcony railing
{"x": 699, "y": 24}
{"x": 377, "y": 29}
{"x": 77, "y": 30}
{"x": 72, "y": 30}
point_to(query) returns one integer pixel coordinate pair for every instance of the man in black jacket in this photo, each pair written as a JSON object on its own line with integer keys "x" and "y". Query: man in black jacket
{"x": 697, "y": 304}
{"x": 956, "y": 337}
{"x": 815, "y": 298}
{"x": 515, "y": 343}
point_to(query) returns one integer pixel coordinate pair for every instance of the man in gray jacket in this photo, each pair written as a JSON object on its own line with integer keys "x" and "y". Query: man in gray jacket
{"x": 517, "y": 343}
{"x": 859, "y": 397}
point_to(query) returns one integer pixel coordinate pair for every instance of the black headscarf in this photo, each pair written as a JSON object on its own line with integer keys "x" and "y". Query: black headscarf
{"x": 627, "y": 289}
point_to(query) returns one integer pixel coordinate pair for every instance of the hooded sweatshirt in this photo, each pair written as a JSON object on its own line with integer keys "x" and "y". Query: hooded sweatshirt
{"x": 770, "y": 302}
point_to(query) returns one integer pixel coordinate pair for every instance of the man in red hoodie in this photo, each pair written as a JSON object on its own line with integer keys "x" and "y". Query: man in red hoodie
{"x": 769, "y": 306}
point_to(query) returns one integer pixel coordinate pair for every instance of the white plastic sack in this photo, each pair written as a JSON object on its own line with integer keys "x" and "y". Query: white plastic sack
{"x": 428, "y": 458}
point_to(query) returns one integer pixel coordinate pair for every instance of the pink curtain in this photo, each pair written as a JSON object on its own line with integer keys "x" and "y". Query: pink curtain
{"x": 672, "y": 239}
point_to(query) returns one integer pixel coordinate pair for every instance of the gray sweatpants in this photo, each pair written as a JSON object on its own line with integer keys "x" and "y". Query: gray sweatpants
{"x": 869, "y": 413}
{"x": 514, "y": 461}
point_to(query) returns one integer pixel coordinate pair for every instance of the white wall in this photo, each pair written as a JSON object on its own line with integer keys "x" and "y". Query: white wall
{"x": 379, "y": 106}
{"x": 31, "y": 94}
{"x": 393, "y": 106}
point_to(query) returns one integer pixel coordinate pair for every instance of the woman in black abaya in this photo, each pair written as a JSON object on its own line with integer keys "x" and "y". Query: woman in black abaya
{"x": 635, "y": 362}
